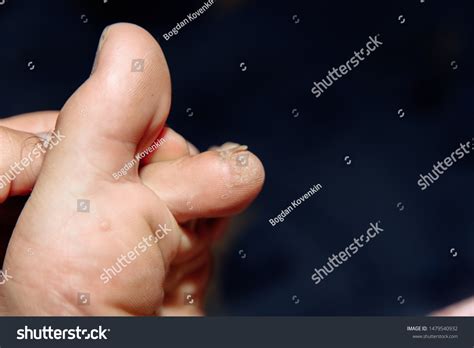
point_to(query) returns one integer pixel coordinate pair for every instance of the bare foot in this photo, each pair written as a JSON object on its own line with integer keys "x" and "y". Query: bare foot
{"x": 61, "y": 251}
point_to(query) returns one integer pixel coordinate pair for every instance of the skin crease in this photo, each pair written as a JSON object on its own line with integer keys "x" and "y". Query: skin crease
{"x": 111, "y": 117}
{"x": 73, "y": 248}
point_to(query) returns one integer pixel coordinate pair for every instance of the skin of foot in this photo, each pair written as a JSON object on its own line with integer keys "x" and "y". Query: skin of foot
{"x": 158, "y": 221}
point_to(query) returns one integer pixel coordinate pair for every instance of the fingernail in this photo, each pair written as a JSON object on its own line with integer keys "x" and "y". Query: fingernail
{"x": 99, "y": 47}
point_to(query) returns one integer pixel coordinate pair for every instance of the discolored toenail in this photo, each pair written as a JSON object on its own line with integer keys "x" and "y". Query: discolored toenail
{"x": 243, "y": 170}
{"x": 241, "y": 163}
{"x": 228, "y": 146}
{"x": 228, "y": 149}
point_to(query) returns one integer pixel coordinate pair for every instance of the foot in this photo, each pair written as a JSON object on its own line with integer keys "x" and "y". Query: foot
{"x": 131, "y": 248}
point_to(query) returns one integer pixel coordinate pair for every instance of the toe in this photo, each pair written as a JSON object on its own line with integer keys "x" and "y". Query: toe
{"x": 210, "y": 184}
{"x": 120, "y": 109}
{"x": 173, "y": 146}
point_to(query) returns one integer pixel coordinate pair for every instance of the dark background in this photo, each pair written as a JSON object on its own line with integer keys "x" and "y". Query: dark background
{"x": 356, "y": 117}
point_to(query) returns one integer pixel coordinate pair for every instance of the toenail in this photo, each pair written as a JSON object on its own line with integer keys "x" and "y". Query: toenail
{"x": 228, "y": 149}
{"x": 244, "y": 170}
{"x": 242, "y": 159}
{"x": 103, "y": 36}
{"x": 228, "y": 146}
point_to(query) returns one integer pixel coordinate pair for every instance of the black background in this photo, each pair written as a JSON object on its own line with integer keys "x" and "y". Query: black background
{"x": 356, "y": 117}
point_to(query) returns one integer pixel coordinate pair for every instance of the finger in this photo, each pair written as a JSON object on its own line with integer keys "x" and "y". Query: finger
{"x": 173, "y": 146}
{"x": 211, "y": 184}
{"x": 21, "y": 157}
{"x": 33, "y": 122}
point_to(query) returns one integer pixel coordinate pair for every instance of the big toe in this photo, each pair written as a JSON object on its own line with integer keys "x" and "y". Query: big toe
{"x": 118, "y": 111}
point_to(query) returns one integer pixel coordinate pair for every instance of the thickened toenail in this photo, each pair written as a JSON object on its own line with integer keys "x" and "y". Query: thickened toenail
{"x": 229, "y": 149}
